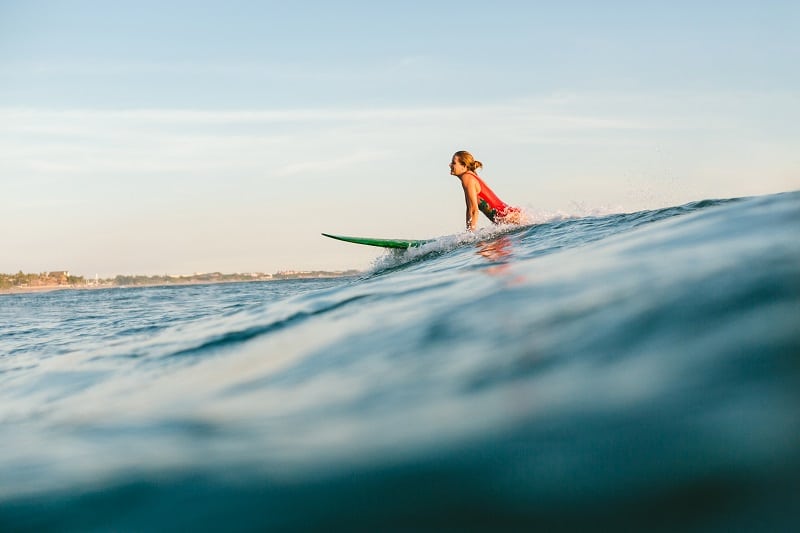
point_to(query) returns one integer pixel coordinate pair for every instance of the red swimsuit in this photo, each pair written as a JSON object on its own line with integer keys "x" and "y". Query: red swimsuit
{"x": 492, "y": 206}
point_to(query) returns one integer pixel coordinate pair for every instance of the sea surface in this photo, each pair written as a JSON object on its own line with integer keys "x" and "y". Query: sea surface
{"x": 634, "y": 371}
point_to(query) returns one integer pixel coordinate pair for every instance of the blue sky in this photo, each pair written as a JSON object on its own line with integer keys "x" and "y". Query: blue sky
{"x": 178, "y": 137}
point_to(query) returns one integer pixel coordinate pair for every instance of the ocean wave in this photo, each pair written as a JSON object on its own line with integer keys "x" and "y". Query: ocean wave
{"x": 617, "y": 371}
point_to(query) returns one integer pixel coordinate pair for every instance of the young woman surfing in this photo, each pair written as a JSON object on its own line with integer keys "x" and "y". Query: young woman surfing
{"x": 478, "y": 196}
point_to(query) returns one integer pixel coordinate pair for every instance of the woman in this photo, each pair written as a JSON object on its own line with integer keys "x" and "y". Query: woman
{"x": 478, "y": 195}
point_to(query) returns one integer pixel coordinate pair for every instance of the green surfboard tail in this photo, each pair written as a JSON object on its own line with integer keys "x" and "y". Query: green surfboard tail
{"x": 383, "y": 243}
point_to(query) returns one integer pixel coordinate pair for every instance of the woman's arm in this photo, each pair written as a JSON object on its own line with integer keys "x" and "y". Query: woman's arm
{"x": 471, "y": 190}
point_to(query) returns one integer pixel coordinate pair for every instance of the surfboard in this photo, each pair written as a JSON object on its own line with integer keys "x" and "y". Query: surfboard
{"x": 383, "y": 243}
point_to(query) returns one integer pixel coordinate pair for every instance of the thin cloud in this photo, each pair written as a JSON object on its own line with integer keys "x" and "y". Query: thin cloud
{"x": 28, "y": 120}
{"x": 328, "y": 165}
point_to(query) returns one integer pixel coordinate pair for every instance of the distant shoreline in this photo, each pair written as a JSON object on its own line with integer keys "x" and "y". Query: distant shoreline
{"x": 52, "y": 288}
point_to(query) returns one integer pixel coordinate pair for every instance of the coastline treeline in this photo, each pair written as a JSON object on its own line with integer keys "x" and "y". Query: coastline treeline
{"x": 64, "y": 279}
{"x": 42, "y": 279}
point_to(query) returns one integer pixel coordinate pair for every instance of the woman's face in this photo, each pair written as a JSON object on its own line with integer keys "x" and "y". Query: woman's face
{"x": 457, "y": 168}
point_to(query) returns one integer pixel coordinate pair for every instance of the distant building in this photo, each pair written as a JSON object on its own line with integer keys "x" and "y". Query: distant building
{"x": 59, "y": 276}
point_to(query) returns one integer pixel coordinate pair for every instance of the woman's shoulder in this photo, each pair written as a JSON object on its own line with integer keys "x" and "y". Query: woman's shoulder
{"x": 473, "y": 176}
{"x": 471, "y": 179}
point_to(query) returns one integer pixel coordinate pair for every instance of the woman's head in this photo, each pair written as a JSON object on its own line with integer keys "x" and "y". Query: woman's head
{"x": 464, "y": 159}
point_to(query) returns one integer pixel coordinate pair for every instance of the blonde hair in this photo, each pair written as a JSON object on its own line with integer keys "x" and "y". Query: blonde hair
{"x": 467, "y": 160}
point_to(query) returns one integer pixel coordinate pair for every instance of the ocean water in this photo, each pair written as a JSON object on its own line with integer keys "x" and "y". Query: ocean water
{"x": 630, "y": 371}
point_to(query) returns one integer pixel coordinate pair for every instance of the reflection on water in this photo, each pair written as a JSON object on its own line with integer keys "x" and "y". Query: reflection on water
{"x": 500, "y": 253}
